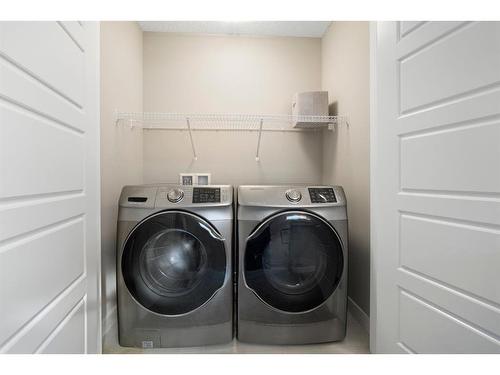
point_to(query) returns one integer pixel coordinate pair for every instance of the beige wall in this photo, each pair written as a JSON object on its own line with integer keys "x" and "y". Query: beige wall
{"x": 345, "y": 74}
{"x": 121, "y": 148}
{"x": 230, "y": 74}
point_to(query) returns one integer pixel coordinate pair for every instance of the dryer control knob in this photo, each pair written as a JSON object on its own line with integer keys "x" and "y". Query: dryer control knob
{"x": 175, "y": 195}
{"x": 293, "y": 195}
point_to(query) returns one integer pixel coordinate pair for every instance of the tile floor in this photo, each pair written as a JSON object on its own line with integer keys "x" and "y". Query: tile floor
{"x": 356, "y": 342}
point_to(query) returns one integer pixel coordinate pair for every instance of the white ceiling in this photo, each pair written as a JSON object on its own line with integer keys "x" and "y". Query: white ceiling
{"x": 314, "y": 29}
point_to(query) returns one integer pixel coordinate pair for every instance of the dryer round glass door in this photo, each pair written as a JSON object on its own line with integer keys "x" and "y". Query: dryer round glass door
{"x": 173, "y": 262}
{"x": 293, "y": 261}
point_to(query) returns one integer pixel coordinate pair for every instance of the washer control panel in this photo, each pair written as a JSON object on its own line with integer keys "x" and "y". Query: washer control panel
{"x": 322, "y": 195}
{"x": 206, "y": 195}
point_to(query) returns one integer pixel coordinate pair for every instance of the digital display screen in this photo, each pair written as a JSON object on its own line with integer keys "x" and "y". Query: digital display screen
{"x": 206, "y": 195}
{"x": 322, "y": 195}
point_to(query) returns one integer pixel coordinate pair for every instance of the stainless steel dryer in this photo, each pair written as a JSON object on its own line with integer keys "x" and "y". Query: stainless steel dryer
{"x": 174, "y": 274}
{"x": 292, "y": 282}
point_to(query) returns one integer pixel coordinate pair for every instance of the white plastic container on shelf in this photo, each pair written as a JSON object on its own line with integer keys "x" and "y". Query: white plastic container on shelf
{"x": 311, "y": 103}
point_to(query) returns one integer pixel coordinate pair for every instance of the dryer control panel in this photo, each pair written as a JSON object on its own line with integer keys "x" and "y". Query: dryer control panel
{"x": 295, "y": 196}
{"x": 322, "y": 195}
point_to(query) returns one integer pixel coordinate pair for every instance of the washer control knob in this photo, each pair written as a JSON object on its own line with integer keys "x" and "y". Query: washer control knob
{"x": 293, "y": 195}
{"x": 175, "y": 195}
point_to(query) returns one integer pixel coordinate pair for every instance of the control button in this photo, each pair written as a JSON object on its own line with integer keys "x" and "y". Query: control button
{"x": 293, "y": 195}
{"x": 175, "y": 195}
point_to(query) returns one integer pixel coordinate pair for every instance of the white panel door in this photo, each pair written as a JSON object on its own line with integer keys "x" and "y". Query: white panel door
{"x": 436, "y": 188}
{"x": 49, "y": 188}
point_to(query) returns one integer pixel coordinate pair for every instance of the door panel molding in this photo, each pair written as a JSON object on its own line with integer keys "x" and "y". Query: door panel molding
{"x": 49, "y": 187}
{"x": 435, "y": 200}
{"x": 29, "y": 337}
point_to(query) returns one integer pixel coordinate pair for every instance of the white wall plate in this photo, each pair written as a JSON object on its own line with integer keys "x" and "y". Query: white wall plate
{"x": 203, "y": 178}
{"x": 187, "y": 178}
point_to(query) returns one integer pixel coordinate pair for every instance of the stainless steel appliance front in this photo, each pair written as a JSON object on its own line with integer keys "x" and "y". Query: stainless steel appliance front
{"x": 292, "y": 274}
{"x": 174, "y": 272}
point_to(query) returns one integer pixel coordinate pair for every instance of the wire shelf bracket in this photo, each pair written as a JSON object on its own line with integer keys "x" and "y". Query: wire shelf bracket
{"x": 257, "y": 157}
{"x": 191, "y": 138}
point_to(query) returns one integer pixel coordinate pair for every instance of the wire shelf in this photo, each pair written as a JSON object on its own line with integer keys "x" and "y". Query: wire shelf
{"x": 229, "y": 122}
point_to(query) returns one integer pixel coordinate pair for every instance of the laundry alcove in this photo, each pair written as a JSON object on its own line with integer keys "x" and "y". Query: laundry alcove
{"x": 191, "y": 102}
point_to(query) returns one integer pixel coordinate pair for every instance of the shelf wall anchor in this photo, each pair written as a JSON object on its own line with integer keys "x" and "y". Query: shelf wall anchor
{"x": 191, "y": 139}
{"x": 257, "y": 157}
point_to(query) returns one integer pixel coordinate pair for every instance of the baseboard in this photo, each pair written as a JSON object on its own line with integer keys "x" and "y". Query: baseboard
{"x": 109, "y": 321}
{"x": 358, "y": 314}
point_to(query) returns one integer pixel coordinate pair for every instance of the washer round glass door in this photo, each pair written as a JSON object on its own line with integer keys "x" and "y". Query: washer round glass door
{"x": 173, "y": 262}
{"x": 293, "y": 261}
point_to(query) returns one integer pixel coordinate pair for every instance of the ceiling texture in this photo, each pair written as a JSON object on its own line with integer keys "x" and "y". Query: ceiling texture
{"x": 311, "y": 29}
